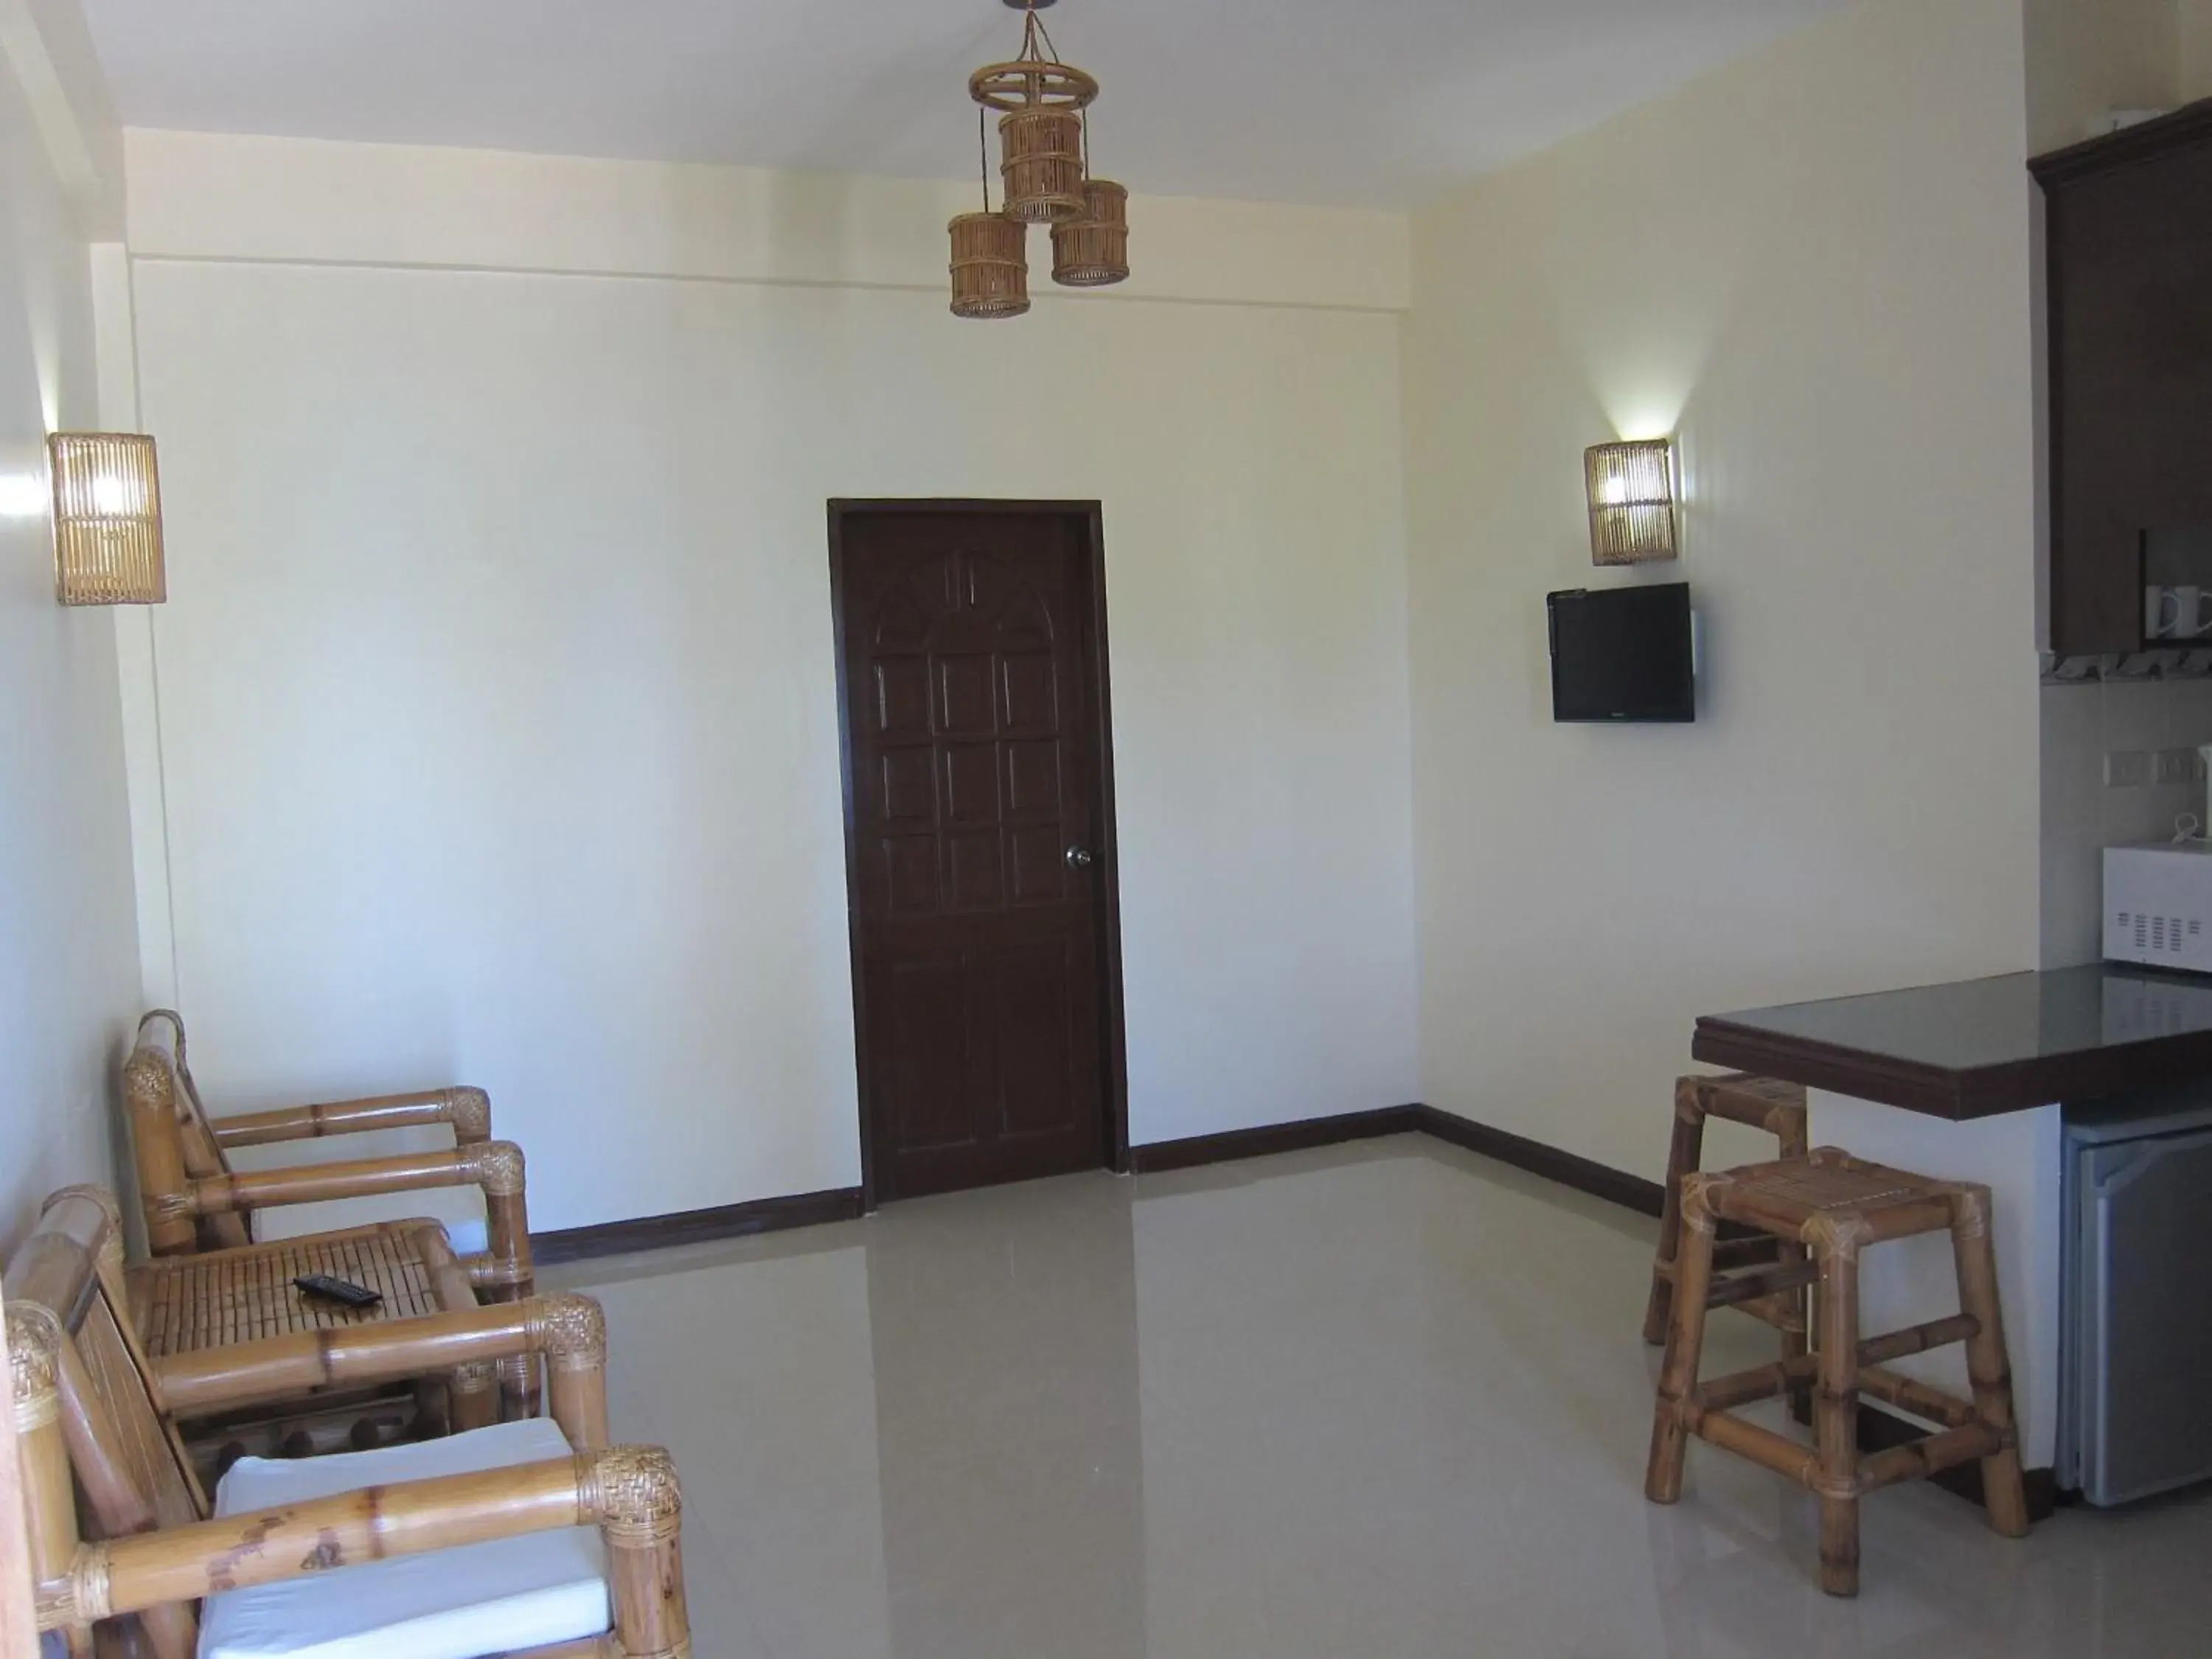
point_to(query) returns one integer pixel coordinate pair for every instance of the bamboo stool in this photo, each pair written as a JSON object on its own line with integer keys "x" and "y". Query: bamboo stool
{"x": 1834, "y": 1205}
{"x": 1758, "y": 1102}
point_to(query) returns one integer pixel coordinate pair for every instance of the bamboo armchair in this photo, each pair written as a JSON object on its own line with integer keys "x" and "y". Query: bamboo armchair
{"x": 155, "y": 1559}
{"x": 193, "y": 1199}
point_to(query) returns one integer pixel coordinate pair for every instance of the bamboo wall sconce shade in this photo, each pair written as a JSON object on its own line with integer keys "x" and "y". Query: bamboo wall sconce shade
{"x": 1044, "y": 168}
{"x": 1631, "y": 501}
{"x": 107, "y": 519}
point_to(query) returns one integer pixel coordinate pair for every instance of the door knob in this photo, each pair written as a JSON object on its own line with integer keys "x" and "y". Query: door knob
{"x": 1079, "y": 857}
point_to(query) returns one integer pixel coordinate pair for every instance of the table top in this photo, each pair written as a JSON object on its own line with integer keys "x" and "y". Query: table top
{"x": 184, "y": 1304}
{"x": 1980, "y": 1046}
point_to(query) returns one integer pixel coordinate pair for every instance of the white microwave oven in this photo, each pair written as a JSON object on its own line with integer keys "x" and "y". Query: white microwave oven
{"x": 2158, "y": 904}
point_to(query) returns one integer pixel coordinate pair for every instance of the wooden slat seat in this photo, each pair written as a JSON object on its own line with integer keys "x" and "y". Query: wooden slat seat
{"x": 1789, "y": 1197}
{"x": 1831, "y": 1206}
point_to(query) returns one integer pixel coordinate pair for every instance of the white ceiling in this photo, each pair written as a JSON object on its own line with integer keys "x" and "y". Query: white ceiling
{"x": 1318, "y": 101}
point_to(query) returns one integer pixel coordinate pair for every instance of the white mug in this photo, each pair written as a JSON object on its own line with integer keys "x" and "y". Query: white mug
{"x": 2176, "y": 613}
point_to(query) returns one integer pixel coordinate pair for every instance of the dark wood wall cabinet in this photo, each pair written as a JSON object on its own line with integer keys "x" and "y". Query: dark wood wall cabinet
{"x": 2129, "y": 248}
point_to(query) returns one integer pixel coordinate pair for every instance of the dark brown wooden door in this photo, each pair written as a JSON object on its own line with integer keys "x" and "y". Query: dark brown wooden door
{"x": 976, "y": 803}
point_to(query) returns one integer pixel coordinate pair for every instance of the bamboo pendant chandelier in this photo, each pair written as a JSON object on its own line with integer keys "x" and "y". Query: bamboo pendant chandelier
{"x": 1044, "y": 170}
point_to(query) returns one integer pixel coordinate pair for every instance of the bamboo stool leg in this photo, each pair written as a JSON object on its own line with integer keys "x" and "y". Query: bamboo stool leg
{"x": 1685, "y": 1152}
{"x": 1685, "y": 1338}
{"x": 1797, "y": 1343}
{"x": 1988, "y": 1369}
{"x": 641, "y": 1516}
{"x": 1791, "y": 1253}
{"x": 1836, "y": 1408}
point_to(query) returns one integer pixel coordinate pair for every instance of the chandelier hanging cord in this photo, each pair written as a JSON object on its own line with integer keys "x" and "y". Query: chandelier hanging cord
{"x": 1035, "y": 31}
{"x": 983, "y": 153}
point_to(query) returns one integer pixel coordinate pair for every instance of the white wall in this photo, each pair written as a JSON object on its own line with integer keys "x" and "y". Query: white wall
{"x": 201, "y": 196}
{"x": 2197, "y": 49}
{"x": 2087, "y": 56}
{"x": 1813, "y": 265}
{"x": 68, "y": 969}
{"x": 496, "y": 700}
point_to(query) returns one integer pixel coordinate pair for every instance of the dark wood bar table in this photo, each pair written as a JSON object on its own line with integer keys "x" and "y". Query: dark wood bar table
{"x": 1969, "y": 1081}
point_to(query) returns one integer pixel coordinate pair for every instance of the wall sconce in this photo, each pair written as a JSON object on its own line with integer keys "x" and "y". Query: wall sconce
{"x": 107, "y": 519}
{"x": 1631, "y": 501}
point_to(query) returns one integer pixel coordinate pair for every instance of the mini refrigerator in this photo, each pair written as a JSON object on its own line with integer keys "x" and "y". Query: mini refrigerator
{"x": 2135, "y": 1308}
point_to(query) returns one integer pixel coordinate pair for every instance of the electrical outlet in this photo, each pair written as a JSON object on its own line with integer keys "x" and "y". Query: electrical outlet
{"x": 2129, "y": 768}
{"x": 2179, "y": 766}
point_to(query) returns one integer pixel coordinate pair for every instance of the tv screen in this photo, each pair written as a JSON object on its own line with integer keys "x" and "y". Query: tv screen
{"x": 1622, "y": 654}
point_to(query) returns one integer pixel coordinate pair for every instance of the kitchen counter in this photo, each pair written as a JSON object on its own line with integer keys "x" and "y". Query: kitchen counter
{"x": 1981, "y": 1048}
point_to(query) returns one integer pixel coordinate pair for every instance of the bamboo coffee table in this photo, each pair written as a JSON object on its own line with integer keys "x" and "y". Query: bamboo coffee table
{"x": 200, "y": 1304}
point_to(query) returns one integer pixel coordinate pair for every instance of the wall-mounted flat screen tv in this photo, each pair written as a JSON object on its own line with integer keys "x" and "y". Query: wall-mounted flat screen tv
{"x": 1623, "y": 654}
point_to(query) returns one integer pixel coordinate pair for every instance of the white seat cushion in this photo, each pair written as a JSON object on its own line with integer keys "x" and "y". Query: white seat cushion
{"x": 463, "y": 1603}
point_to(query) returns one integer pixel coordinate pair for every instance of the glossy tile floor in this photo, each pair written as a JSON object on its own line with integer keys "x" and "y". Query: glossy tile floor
{"x": 1386, "y": 1400}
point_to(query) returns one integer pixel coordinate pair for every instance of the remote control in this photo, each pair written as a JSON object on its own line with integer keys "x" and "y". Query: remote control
{"x": 338, "y": 1289}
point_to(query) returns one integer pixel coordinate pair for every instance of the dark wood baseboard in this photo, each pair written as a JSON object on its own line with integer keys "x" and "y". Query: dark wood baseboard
{"x": 1880, "y": 1429}
{"x": 1582, "y": 1173}
{"x": 661, "y": 1233}
{"x": 1568, "y": 1169}
{"x": 844, "y": 1203}
{"x": 1233, "y": 1144}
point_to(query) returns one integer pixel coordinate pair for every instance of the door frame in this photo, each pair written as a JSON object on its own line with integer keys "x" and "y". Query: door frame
{"x": 1088, "y": 517}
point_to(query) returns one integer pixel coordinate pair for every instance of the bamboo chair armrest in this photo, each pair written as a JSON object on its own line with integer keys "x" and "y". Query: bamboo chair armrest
{"x": 569, "y": 1331}
{"x": 495, "y": 1166}
{"x": 626, "y": 1486}
{"x": 469, "y": 1111}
